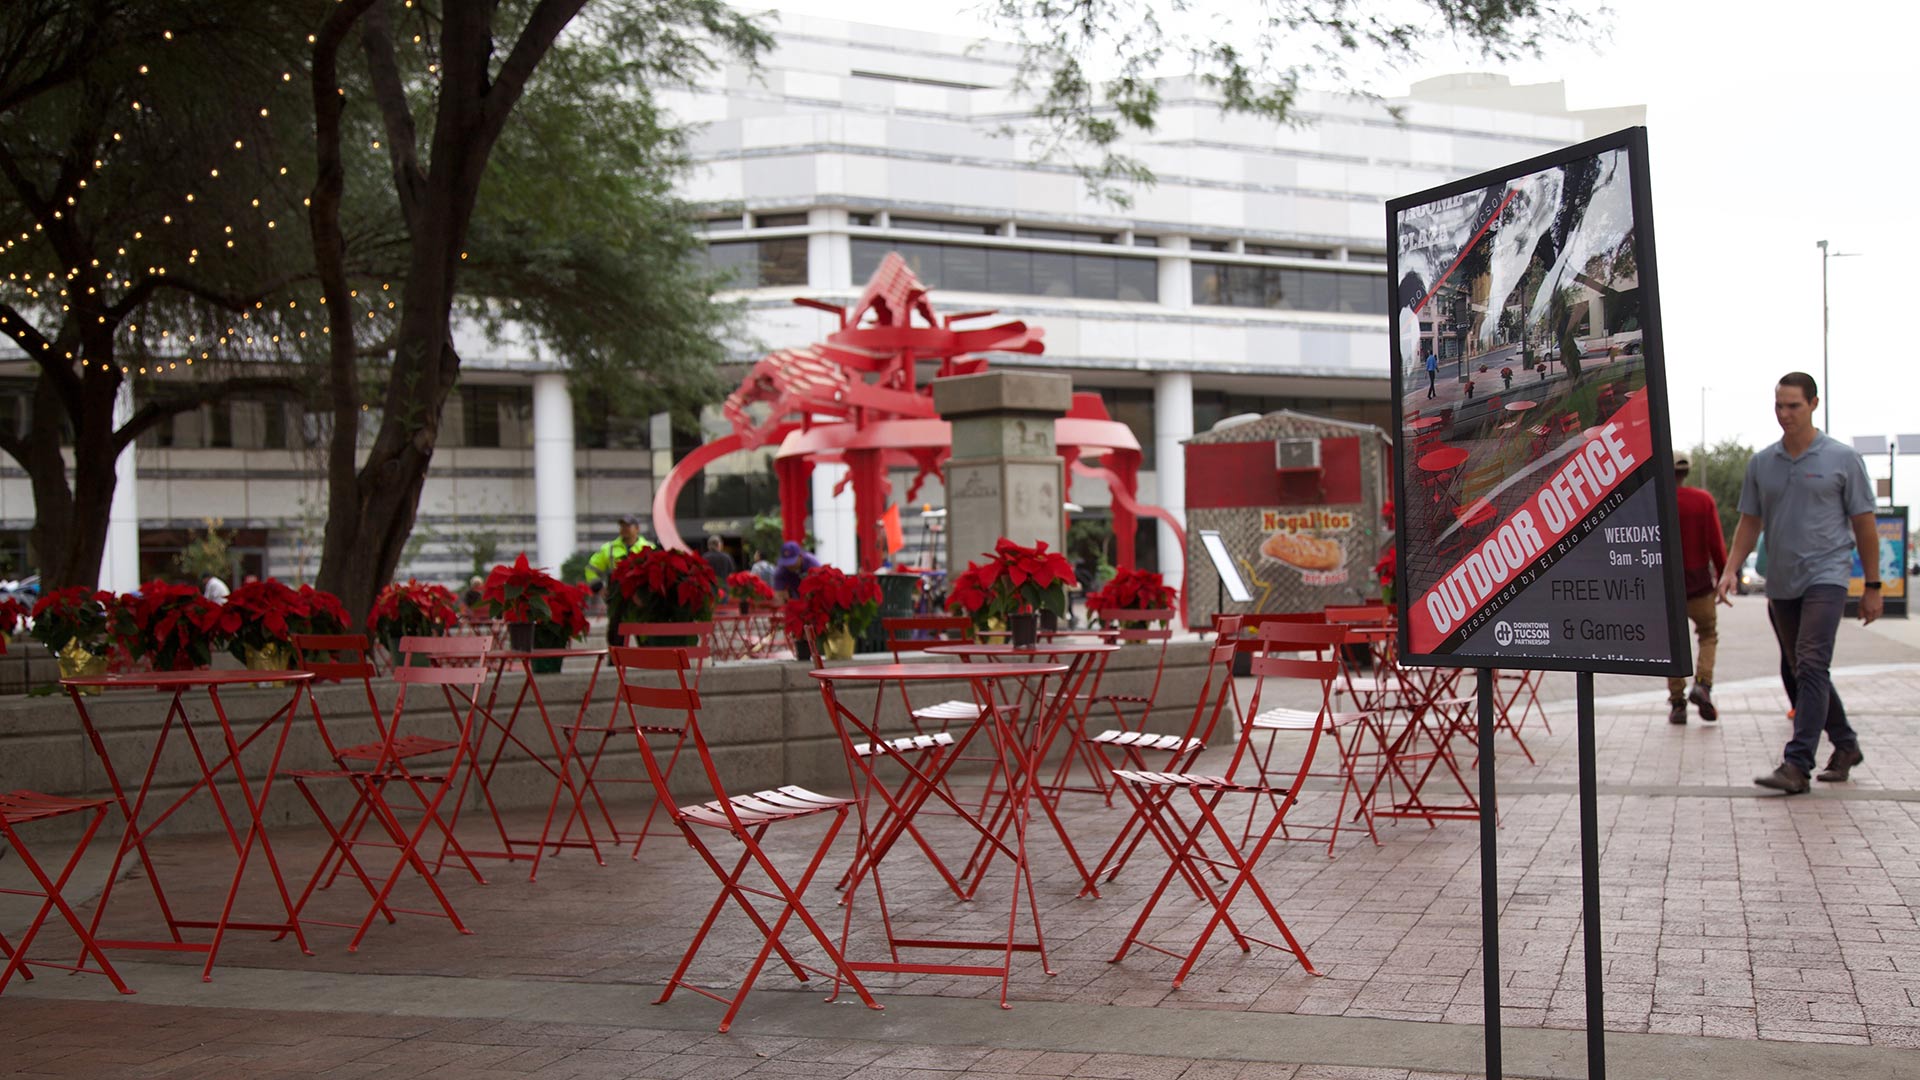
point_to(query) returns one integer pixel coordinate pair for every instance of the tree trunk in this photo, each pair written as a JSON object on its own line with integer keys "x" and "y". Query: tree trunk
{"x": 70, "y": 519}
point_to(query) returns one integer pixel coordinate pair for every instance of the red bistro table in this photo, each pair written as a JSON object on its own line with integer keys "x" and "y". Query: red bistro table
{"x": 134, "y": 839}
{"x": 1085, "y": 659}
{"x": 747, "y": 635}
{"x": 558, "y": 765}
{"x": 1017, "y": 749}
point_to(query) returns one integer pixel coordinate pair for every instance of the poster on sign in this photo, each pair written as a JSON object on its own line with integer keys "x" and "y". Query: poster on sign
{"x": 1533, "y": 469}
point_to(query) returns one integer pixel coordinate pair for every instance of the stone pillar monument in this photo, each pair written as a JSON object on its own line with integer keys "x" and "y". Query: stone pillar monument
{"x": 1004, "y": 478}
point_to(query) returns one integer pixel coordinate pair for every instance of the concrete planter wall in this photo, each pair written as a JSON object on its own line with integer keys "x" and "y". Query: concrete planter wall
{"x": 766, "y": 721}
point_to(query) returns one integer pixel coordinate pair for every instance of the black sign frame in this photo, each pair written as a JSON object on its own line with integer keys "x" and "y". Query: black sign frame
{"x": 1679, "y": 661}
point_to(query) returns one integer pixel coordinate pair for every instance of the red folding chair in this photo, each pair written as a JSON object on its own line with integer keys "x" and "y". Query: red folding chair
{"x": 1145, "y": 633}
{"x": 917, "y": 633}
{"x": 744, "y": 817}
{"x": 29, "y": 807}
{"x": 1351, "y": 732}
{"x": 459, "y": 669}
{"x": 1181, "y": 749}
{"x": 1154, "y": 794}
{"x": 699, "y": 651}
{"x": 339, "y": 658}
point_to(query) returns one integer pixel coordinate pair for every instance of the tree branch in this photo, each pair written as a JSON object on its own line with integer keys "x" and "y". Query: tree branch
{"x": 536, "y": 39}
{"x": 396, "y": 113}
{"x": 53, "y": 362}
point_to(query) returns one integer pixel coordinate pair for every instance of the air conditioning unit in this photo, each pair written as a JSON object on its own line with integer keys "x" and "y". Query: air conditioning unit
{"x": 1296, "y": 455}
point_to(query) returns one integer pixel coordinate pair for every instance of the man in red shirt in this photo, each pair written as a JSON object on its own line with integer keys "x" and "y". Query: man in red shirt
{"x": 1703, "y": 551}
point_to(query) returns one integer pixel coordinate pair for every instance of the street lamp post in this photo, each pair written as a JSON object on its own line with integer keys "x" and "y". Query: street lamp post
{"x": 1826, "y": 380}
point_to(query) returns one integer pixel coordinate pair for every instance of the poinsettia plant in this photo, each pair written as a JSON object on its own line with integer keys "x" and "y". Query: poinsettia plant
{"x": 745, "y": 586}
{"x": 174, "y": 625}
{"x": 1013, "y": 580}
{"x": 11, "y": 612}
{"x": 75, "y": 614}
{"x": 830, "y": 599}
{"x": 520, "y": 592}
{"x": 662, "y": 585}
{"x": 1134, "y": 590}
{"x": 412, "y": 609}
{"x": 270, "y": 614}
{"x": 566, "y": 618}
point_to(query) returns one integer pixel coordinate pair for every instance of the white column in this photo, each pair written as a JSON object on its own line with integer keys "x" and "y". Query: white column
{"x": 1176, "y": 273}
{"x": 555, "y": 529}
{"x": 120, "y": 562}
{"x": 833, "y": 519}
{"x": 829, "y": 251}
{"x": 1172, "y": 422}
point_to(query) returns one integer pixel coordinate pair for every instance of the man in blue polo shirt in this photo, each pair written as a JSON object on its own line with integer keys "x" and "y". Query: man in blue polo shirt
{"x": 1810, "y": 493}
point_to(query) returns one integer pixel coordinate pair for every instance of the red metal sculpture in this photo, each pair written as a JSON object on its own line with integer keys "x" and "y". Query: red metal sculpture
{"x": 856, "y": 398}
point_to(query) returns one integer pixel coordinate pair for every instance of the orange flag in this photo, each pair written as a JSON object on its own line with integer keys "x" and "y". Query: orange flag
{"x": 890, "y": 521}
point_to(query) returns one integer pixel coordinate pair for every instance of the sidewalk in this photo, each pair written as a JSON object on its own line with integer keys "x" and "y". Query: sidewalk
{"x": 1747, "y": 935}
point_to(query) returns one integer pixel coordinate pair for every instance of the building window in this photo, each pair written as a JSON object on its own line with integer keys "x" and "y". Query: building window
{"x": 1286, "y": 289}
{"x": 754, "y": 264}
{"x": 1210, "y": 245}
{"x": 860, "y": 221}
{"x": 1071, "y": 236}
{"x": 974, "y": 228}
{"x": 1017, "y": 272}
{"x": 496, "y": 417}
{"x": 1281, "y": 251}
{"x": 1378, "y": 258}
{"x": 724, "y": 224}
{"x": 1145, "y": 241}
{"x": 1134, "y": 408}
{"x": 779, "y": 221}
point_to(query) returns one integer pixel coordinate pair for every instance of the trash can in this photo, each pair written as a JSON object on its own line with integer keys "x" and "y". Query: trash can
{"x": 898, "y": 595}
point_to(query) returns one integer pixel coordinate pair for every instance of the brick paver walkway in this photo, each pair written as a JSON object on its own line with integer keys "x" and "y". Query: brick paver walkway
{"x": 1745, "y": 933}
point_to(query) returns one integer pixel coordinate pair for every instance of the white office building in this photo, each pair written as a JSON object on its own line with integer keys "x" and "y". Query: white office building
{"x": 1250, "y": 277}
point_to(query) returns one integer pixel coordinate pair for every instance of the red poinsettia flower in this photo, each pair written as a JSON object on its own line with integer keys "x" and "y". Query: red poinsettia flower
{"x": 662, "y": 585}
{"x": 745, "y": 585}
{"x": 520, "y": 592}
{"x": 1132, "y": 590}
{"x": 412, "y": 609}
{"x": 173, "y": 624}
{"x": 1014, "y": 579}
{"x": 830, "y": 599}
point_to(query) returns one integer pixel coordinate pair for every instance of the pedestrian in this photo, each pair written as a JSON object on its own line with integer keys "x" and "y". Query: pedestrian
{"x": 762, "y": 569}
{"x": 601, "y": 563}
{"x": 1703, "y": 551}
{"x": 474, "y": 595}
{"x": 214, "y": 589}
{"x": 1787, "y": 682}
{"x": 1810, "y": 493}
{"x": 795, "y": 563}
{"x": 1506, "y": 376}
{"x": 1433, "y": 373}
{"x": 717, "y": 557}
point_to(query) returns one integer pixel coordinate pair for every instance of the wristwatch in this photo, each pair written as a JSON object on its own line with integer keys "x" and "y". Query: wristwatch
{"x": 1869, "y": 585}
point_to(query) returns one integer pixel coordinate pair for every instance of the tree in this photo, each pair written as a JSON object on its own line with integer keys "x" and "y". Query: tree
{"x": 1094, "y": 66}
{"x": 141, "y": 185}
{"x": 447, "y": 106}
{"x": 1721, "y": 469}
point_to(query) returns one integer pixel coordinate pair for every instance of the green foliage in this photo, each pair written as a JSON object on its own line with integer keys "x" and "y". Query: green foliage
{"x": 1093, "y": 67}
{"x": 1720, "y": 469}
{"x": 206, "y": 553}
{"x": 574, "y": 570}
{"x": 1090, "y": 535}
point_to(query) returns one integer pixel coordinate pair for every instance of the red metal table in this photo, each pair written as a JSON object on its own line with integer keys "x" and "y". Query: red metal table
{"x": 1016, "y": 746}
{"x": 1085, "y": 660}
{"x": 134, "y": 839}
{"x": 559, "y": 765}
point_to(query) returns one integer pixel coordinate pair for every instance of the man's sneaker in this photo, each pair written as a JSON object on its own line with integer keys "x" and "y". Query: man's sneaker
{"x": 1840, "y": 764}
{"x": 1789, "y": 778}
{"x": 1702, "y": 698}
{"x": 1677, "y": 711}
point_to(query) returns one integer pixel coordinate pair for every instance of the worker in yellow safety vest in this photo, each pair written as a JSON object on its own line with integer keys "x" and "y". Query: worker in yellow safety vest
{"x": 601, "y": 563}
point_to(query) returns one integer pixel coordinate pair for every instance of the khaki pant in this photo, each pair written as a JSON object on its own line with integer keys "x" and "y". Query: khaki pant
{"x": 1706, "y": 626}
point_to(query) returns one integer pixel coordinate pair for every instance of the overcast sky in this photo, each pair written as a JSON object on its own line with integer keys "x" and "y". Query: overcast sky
{"x": 1770, "y": 127}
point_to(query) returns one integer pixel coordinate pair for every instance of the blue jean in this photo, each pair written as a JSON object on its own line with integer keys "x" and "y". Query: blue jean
{"x": 1806, "y": 625}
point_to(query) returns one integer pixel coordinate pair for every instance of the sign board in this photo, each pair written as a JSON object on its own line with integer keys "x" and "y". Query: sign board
{"x": 1891, "y": 524}
{"x": 1223, "y": 565}
{"x": 1533, "y": 466}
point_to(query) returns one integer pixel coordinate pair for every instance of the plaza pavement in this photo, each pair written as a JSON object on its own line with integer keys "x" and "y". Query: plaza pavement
{"x": 1747, "y": 934}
